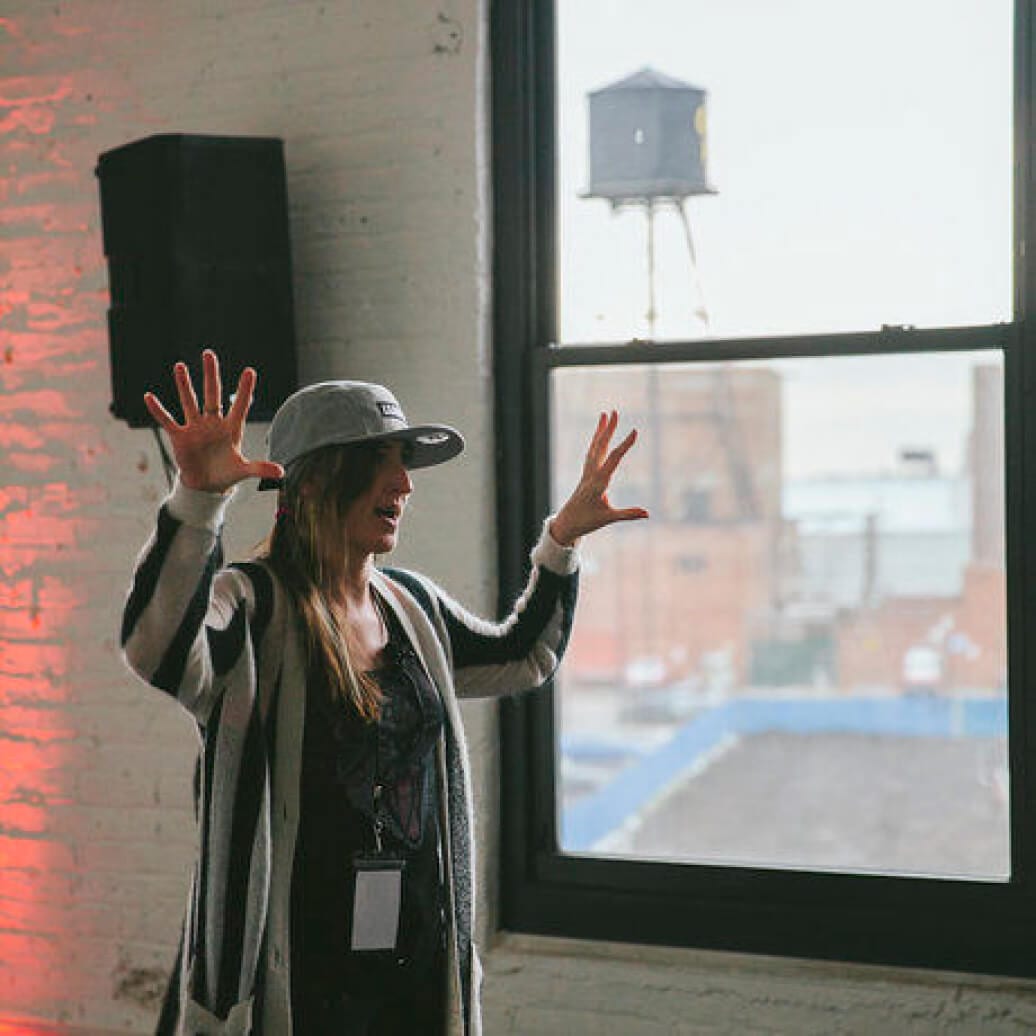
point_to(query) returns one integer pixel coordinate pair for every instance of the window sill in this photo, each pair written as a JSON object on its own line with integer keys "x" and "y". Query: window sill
{"x": 507, "y": 950}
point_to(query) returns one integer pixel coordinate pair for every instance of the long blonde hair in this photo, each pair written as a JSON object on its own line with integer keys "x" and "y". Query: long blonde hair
{"x": 307, "y": 551}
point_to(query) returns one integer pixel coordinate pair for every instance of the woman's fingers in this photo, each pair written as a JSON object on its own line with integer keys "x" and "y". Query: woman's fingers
{"x": 242, "y": 398}
{"x": 588, "y": 509}
{"x": 212, "y": 386}
{"x": 185, "y": 390}
{"x": 264, "y": 469}
{"x": 601, "y": 465}
{"x": 162, "y": 416}
{"x": 611, "y": 421}
{"x": 593, "y": 449}
{"x": 629, "y": 514}
{"x": 606, "y": 423}
{"x": 207, "y": 446}
{"x": 620, "y": 451}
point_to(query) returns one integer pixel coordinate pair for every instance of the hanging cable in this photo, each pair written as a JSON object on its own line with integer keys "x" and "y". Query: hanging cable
{"x": 167, "y": 462}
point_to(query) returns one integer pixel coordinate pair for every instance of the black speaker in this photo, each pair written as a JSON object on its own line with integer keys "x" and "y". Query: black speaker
{"x": 196, "y": 237}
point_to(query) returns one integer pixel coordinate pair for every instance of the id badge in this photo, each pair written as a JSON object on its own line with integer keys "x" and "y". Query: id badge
{"x": 377, "y": 895}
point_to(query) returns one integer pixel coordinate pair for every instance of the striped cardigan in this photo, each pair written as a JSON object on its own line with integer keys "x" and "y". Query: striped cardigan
{"x": 223, "y": 642}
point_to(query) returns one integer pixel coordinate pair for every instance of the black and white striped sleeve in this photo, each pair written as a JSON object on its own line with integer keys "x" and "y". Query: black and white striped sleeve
{"x": 523, "y": 650}
{"x": 184, "y": 622}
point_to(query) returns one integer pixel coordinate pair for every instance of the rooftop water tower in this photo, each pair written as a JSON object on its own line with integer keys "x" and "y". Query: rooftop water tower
{"x": 648, "y": 149}
{"x": 647, "y": 139}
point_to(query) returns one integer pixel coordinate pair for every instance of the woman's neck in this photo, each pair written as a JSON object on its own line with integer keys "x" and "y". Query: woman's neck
{"x": 353, "y": 589}
{"x": 360, "y": 618}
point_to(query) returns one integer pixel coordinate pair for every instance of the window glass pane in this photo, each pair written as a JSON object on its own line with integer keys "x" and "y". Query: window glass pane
{"x": 799, "y": 660}
{"x": 859, "y": 155}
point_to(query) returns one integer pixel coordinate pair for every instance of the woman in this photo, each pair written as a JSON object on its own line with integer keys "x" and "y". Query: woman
{"x": 332, "y": 892}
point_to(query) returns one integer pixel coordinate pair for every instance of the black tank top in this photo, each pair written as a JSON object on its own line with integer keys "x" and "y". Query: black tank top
{"x": 352, "y": 772}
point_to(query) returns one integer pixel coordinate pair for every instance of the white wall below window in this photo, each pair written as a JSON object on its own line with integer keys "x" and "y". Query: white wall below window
{"x": 542, "y": 986}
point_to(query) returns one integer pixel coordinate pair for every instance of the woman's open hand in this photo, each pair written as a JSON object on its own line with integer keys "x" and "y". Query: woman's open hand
{"x": 588, "y": 509}
{"x": 207, "y": 446}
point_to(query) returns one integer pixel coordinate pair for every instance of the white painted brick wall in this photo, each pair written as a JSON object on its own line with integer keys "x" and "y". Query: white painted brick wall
{"x": 381, "y": 106}
{"x": 377, "y": 104}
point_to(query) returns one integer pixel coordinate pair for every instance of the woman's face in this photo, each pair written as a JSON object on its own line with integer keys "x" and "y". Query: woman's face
{"x": 372, "y": 519}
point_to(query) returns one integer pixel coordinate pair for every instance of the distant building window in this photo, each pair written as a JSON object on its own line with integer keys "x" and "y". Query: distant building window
{"x": 691, "y": 563}
{"x": 697, "y": 506}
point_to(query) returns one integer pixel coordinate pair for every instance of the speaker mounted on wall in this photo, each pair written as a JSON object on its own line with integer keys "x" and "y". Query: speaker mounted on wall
{"x": 195, "y": 232}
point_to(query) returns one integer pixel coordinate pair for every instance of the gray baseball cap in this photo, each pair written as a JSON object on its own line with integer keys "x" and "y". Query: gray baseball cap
{"x": 338, "y": 413}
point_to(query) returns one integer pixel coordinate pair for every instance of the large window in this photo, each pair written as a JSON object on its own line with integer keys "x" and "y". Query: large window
{"x": 780, "y": 239}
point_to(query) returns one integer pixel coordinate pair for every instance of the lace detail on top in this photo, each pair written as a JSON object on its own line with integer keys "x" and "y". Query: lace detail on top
{"x": 386, "y": 769}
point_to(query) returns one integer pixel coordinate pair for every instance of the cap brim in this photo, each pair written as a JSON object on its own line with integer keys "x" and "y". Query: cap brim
{"x": 429, "y": 444}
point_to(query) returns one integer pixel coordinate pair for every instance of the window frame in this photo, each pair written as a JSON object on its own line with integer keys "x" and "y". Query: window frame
{"x": 962, "y": 925}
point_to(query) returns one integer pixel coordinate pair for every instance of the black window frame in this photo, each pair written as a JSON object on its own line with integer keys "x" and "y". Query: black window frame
{"x": 961, "y": 925}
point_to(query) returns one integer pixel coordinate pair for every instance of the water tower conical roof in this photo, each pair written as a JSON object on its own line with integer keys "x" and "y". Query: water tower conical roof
{"x": 647, "y": 78}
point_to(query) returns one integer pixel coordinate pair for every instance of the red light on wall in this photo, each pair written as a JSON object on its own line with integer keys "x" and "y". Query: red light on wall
{"x": 12, "y": 1028}
{"x": 48, "y": 329}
